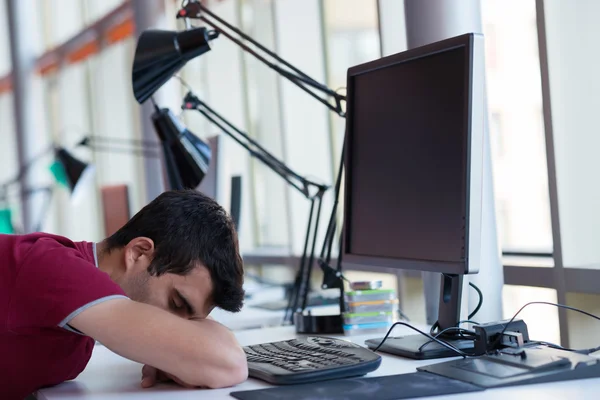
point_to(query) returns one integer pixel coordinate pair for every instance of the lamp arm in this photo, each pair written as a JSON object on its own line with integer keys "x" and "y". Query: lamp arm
{"x": 194, "y": 9}
{"x": 325, "y": 255}
{"x": 25, "y": 168}
{"x": 110, "y": 149}
{"x": 302, "y": 184}
{"x": 110, "y": 145}
{"x": 304, "y": 287}
{"x": 92, "y": 140}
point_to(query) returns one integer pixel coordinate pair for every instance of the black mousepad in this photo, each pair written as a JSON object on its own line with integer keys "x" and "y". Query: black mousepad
{"x": 392, "y": 387}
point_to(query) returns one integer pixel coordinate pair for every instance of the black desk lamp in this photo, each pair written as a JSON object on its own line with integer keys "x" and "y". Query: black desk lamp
{"x": 155, "y": 64}
{"x": 160, "y": 54}
{"x": 67, "y": 170}
{"x": 186, "y": 156}
{"x": 76, "y": 172}
{"x": 193, "y": 9}
{"x": 311, "y": 190}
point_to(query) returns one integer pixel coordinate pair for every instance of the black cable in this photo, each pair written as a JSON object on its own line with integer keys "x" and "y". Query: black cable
{"x": 540, "y": 302}
{"x": 436, "y": 325}
{"x": 476, "y": 310}
{"x": 461, "y": 331}
{"x": 588, "y": 351}
{"x": 559, "y": 347}
{"x": 472, "y": 334}
{"x": 548, "y": 344}
{"x": 441, "y": 342}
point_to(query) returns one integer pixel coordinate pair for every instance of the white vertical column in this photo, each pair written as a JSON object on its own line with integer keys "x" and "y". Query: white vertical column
{"x": 430, "y": 21}
{"x": 22, "y": 50}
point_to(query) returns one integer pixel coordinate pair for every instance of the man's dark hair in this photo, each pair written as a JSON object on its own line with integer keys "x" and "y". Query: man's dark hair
{"x": 188, "y": 227}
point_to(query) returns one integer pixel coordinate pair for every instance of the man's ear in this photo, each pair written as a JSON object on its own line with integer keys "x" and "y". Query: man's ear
{"x": 139, "y": 251}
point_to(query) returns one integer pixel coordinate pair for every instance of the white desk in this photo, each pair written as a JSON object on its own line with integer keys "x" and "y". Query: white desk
{"x": 111, "y": 377}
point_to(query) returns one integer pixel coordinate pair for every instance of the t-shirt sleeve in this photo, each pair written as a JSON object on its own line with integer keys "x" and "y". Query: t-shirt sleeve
{"x": 54, "y": 284}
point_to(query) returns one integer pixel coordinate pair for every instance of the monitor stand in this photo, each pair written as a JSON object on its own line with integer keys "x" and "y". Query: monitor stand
{"x": 420, "y": 347}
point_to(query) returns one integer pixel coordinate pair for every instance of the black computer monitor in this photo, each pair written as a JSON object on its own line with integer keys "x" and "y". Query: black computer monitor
{"x": 413, "y": 167}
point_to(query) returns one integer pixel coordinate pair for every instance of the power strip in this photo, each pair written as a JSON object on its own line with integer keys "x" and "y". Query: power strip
{"x": 515, "y": 335}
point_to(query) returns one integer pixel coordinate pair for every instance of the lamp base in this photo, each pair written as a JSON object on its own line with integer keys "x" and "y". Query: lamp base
{"x": 316, "y": 324}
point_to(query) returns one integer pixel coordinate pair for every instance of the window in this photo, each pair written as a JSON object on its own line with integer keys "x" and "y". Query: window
{"x": 541, "y": 320}
{"x": 517, "y": 136}
{"x": 583, "y": 330}
{"x": 571, "y": 36}
{"x": 270, "y": 192}
{"x": 352, "y": 37}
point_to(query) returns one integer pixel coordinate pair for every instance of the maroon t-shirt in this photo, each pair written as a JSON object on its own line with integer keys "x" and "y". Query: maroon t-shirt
{"x": 45, "y": 281}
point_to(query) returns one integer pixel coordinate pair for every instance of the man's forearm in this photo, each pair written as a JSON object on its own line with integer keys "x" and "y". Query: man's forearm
{"x": 200, "y": 353}
{"x": 223, "y": 353}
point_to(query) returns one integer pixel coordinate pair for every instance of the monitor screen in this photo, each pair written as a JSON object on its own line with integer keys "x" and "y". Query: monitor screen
{"x": 408, "y": 161}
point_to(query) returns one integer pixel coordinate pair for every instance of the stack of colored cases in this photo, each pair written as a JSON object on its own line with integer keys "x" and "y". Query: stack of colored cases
{"x": 370, "y": 310}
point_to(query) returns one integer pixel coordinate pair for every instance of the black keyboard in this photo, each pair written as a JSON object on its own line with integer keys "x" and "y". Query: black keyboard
{"x": 309, "y": 359}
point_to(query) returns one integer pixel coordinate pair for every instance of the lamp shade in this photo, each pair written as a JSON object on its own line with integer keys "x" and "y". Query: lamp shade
{"x": 71, "y": 172}
{"x": 160, "y": 54}
{"x": 186, "y": 156}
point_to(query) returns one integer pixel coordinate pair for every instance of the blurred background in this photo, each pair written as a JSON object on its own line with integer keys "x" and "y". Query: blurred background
{"x": 542, "y": 94}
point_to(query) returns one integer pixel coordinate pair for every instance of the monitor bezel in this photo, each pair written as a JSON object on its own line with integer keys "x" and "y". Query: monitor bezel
{"x": 472, "y": 195}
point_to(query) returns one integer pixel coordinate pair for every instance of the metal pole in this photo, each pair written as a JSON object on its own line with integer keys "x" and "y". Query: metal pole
{"x": 429, "y": 21}
{"x": 150, "y": 14}
{"x": 22, "y": 51}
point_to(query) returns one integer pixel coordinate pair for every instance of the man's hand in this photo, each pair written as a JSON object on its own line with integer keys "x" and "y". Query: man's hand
{"x": 151, "y": 376}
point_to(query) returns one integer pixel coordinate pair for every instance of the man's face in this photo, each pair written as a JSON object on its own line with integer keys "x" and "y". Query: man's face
{"x": 188, "y": 296}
